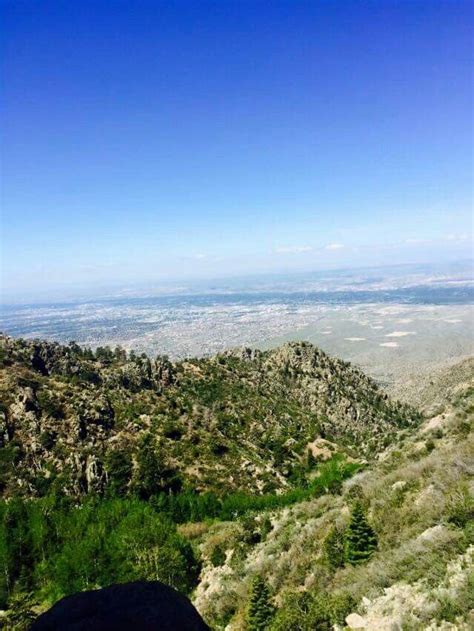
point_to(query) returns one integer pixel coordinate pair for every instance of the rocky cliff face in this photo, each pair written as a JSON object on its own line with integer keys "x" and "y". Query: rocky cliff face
{"x": 83, "y": 421}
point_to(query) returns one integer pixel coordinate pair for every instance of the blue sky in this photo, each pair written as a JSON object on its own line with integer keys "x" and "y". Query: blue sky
{"x": 155, "y": 140}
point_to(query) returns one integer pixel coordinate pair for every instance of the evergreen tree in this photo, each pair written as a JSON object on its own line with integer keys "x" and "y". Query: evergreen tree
{"x": 333, "y": 548}
{"x": 153, "y": 474}
{"x": 260, "y": 610}
{"x": 360, "y": 540}
{"x": 119, "y": 469}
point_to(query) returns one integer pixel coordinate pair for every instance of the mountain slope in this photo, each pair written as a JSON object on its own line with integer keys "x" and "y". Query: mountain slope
{"x": 245, "y": 420}
{"x": 418, "y": 496}
{"x": 254, "y": 428}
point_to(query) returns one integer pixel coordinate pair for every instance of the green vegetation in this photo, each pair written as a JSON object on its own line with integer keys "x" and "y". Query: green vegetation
{"x": 418, "y": 502}
{"x": 308, "y": 611}
{"x": 360, "y": 538}
{"x": 333, "y": 548}
{"x": 260, "y": 611}
{"x": 73, "y": 413}
{"x": 56, "y": 548}
{"x": 153, "y": 475}
{"x": 190, "y": 506}
{"x": 208, "y": 473}
{"x": 51, "y": 547}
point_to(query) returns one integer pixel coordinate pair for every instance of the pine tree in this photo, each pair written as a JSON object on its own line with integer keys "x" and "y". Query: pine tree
{"x": 260, "y": 610}
{"x": 333, "y": 548}
{"x": 360, "y": 540}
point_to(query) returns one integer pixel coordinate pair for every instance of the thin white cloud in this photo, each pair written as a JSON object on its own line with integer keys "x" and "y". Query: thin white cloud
{"x": 457, "y": 237}
{"x": 334, "y": 246}
{"x": 415, "y": 241}
{"x": 446, "y": 237}
{"x": 298, "y": 249}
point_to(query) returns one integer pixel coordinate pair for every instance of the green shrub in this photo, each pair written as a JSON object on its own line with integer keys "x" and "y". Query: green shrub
{"x": 47, "y": 440}
{"x": 461, "y": 507}
{"x": 306, "y": 611}
{"x": 265, "y": 527}
{"x": 251, "y": 530}
{"x": 333, "y": 548}
{"x": 50, "y": 405}
{"x": 339, "y": 607}
{"x": 218, "y": 556}
{"x": 9, "y": 455}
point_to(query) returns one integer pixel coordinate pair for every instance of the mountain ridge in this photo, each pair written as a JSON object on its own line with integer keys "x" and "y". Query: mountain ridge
{"x": 241, "y": 420}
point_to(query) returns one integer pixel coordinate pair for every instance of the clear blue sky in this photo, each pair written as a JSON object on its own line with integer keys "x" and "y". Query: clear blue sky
{"x": 154, "y": 139}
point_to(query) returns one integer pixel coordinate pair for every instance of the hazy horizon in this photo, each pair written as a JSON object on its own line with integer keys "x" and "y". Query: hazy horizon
{"x": 458, "y": 270}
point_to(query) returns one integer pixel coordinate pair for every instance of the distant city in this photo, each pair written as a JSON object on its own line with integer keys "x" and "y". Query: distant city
{"x": 406, "y": 316}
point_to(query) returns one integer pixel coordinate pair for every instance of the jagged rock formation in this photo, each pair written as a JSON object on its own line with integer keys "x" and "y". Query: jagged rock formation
{"x": 243, "y": 420}
{"x": 141, "y": 606}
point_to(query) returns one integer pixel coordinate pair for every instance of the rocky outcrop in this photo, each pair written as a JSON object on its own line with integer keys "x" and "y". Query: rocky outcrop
{"x": 79, "y": 419}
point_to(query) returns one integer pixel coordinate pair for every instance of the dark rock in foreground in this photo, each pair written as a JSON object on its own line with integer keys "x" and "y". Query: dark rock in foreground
{"x": 139, "y": 606}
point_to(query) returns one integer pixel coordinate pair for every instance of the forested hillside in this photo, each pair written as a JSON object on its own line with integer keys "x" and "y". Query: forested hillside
{"x": 392, "y": 550}
{"x": 280, "y": 489}
{"x": 95, "y": 422}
